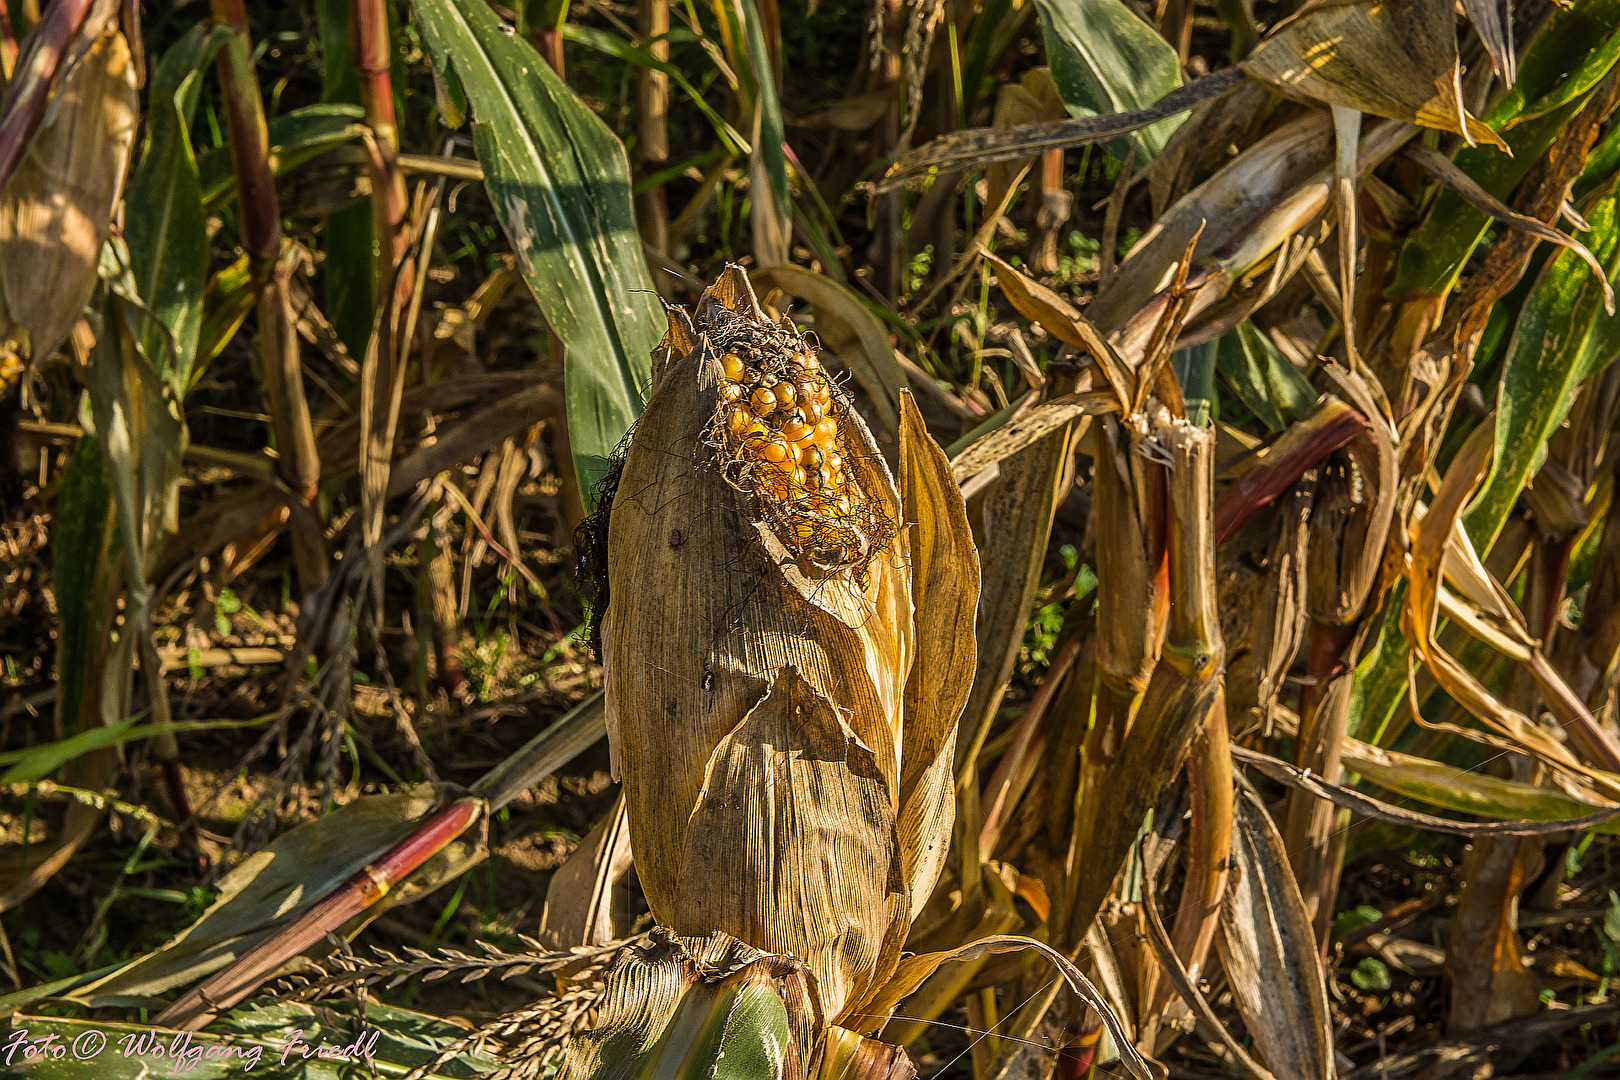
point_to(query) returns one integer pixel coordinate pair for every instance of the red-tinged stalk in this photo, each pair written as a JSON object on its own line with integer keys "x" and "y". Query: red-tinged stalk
{"x": 1278, "y": 468}
{"x": 368, "y": 37}
{"x": 548, "y": 34}
{"x": 363, "y": 889}
{"x": 36, "y": 70}
{"x": 541, "y": 756}
{"x": 1209, "y": 843}
{"x": 259, "y": 211}
{"x": 8, "y": 43}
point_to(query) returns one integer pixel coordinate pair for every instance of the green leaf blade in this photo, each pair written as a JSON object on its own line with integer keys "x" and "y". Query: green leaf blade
{"x": 560, "y": 184}
{"x": 1106, "y": 60}
{"x": 167, "y": 228}
{"x": 1563, "y": 336}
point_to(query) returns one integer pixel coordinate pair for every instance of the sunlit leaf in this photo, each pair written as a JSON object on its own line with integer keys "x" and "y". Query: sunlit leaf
{"x": 560, "y": 184}
{"x": 164, "y": 224}
{"x": 1106, "y": 60}
{"x": 1563, "y": 336}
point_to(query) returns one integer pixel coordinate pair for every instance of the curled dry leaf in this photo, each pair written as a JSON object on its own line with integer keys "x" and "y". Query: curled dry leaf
{"x": 579, "y": 899}
{"x": 1225, "y": 206}
{"x": 1044, "y": 307}
{"x": 986, "y": 146}
{"x": 1443, "y": 169}
{"x": 913, "y": 970}
{"x": 269, "y": 887}
{"x": 1349, "y": 798}
{"x": 1431, "y": 542}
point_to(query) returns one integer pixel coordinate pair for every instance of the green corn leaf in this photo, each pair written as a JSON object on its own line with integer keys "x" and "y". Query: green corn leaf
{"x": 1563, "y": 336}
{"x": 295, "y": 138}
{"x": 1450, "y": 788}
{"x": 1570, "y": 56}
{"x": 1267, "y": 383}
{"x": 560, "y": 183}
{"x": 986, "y": 41}
{"x": 663, "y": 1016}
{"x": 1560, "y": 70}
{"x": 79, "y": 578}
{"x": 37, "y": 762}
{"x": 166, "y": 227}
{"x": 621, "y": 49}
{"x": 1602, "y": 163}
{"x": 771, "y": 132}
{"x": 1381, "y": 676}
{"x": 349, "y": 274}
{"x": 1106, "y": 60}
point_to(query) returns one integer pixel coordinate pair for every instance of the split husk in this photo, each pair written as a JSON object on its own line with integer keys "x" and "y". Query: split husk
{"x": 783, "y": 724}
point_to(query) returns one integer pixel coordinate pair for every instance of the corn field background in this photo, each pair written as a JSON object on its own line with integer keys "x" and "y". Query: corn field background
{"x": 966, "y": 538}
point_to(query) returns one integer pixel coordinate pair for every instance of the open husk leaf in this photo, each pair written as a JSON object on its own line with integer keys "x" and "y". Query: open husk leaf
{"x": 782, "y": 683}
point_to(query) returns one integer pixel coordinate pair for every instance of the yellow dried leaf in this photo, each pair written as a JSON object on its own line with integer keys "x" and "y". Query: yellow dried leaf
{"x": 1391, "y": 58}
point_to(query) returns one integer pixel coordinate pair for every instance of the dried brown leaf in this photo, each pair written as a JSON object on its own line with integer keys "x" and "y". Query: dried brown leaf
{"x": 1269, "y": 951}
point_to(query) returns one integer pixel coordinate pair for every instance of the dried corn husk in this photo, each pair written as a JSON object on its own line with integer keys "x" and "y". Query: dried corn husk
{"x": 783, "y": 683}
{"x": 57, "y": 208}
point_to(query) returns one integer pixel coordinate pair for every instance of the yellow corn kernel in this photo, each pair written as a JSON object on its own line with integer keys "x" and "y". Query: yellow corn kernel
{"x": 731, "y": 364}
{"x": 775, "y": 451}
